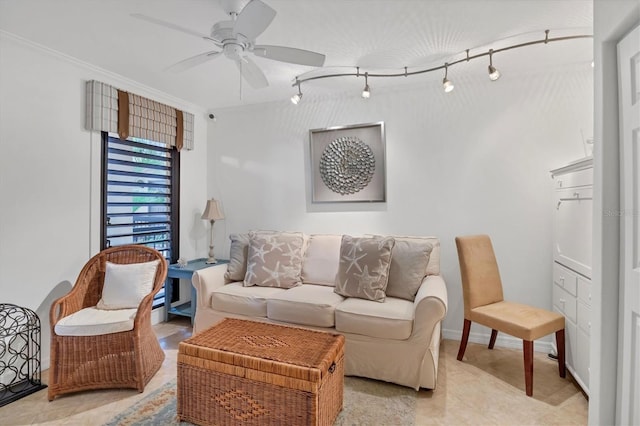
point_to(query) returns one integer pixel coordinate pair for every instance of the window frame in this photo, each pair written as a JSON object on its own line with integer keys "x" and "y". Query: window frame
{"x": 174, "y": 196}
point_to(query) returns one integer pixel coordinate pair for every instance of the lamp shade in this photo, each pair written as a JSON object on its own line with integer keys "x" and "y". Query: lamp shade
{"x": 212, "y": 211}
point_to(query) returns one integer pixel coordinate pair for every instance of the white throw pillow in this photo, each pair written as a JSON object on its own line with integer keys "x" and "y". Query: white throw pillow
{"x": 125, "y": 285}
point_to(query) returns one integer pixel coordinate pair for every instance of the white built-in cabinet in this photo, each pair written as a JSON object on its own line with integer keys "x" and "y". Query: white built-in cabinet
{"x": 572, "y": 244}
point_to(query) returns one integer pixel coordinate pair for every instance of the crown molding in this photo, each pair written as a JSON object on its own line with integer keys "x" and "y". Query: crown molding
{"x": 112, "y": 77}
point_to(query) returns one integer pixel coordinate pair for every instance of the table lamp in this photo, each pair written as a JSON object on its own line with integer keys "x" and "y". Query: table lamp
{"x": 212, "y": 212}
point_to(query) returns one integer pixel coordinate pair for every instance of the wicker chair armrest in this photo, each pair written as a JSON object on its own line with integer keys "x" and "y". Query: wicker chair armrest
{"x": 66, "y": 305}
{"x": 206, "y": 280}
{"x": 143, "y": 314}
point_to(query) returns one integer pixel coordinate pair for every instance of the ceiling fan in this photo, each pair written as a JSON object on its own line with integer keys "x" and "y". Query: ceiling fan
{"x": 236, "y": 39}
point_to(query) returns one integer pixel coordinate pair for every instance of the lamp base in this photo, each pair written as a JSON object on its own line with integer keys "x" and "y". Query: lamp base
{"x": 211, "y": 261}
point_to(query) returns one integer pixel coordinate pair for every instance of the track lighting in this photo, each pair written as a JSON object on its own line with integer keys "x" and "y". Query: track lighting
{"x": 366, "y": 93}
{"x": 446, "y": 83}
{"x": 296, "y": 98}
{"x": 494, "y": 74}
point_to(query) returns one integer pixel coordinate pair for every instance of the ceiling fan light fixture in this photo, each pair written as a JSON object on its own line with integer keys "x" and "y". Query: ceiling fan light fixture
{"x": 494, "y": 74}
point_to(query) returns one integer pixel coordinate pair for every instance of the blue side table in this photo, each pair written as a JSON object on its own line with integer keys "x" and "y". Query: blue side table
{"x": 187, "y": 309}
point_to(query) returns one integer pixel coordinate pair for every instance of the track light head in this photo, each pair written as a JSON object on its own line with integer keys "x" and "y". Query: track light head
{"x": 446, "y": 83}
{"x": 494, "y": 74}
{"x": 366, "y": 92}
{"x": 297, "y": 97}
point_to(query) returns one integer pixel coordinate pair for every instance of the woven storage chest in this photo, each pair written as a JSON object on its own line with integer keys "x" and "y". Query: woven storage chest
{"x": 254, "y": 373}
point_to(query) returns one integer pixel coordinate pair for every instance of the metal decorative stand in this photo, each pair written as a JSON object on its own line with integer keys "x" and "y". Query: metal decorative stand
{"x": 19, "y": 353}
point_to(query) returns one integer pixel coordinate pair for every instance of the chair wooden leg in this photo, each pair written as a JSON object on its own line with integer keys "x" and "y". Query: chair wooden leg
{"x": 527, "y": 346}
{"x": 492, "y": 341}
{"x": 562, "y": 369}
{"x": 465, "y": 336}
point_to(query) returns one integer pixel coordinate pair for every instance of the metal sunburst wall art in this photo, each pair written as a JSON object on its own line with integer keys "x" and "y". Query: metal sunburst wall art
{"x": 348, "y": 164}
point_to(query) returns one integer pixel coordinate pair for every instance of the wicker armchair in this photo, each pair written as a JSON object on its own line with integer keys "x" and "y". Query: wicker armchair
{"x": 125, "y": 359}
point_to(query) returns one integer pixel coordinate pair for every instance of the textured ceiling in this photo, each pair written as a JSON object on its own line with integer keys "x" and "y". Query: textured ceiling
{"x": 377, "y": 35}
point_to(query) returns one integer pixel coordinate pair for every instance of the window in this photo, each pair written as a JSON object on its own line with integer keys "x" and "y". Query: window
{"x": 140, "y": 190}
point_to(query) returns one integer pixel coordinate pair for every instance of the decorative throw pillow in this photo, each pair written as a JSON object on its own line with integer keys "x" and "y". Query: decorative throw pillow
{"x": 433, "y": 267}
{"x": 237, "y": 268}
{"x": 274, "y": 260}
{"x": 409, "y": 261}
{"x": 364, "y": 267}
{"x": 125, "y": 285}
{"x": 321, "y": 260}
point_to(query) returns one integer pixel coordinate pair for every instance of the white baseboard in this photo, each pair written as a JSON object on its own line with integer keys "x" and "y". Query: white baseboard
{"x": 503, "y": 340}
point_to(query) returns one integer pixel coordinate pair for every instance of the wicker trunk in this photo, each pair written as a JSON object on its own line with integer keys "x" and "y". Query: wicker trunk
{"x": 253, "y": 373}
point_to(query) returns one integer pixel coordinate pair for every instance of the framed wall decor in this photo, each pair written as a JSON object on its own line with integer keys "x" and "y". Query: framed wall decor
{"x": 348, "y": 164}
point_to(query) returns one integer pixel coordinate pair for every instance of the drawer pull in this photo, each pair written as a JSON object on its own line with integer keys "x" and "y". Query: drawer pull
{"x": 589, "y": 325}
{"x": 562, "y": 301}
{"x": 332, "y": 368}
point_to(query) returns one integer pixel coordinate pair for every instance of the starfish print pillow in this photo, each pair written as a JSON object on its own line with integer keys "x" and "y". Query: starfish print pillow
{"x": 364, "y": 267}
{"x": 274, "y": 260}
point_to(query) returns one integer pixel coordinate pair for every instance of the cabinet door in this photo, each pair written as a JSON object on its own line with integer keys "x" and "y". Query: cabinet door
{"x": 572, "y": 229}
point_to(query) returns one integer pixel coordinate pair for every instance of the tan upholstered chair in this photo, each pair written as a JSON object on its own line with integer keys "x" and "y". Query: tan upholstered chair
{"x": 484, "y": 304}
{"x": 114, "y": 348}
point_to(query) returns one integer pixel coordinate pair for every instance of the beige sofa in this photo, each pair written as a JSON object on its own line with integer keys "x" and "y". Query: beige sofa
{"x": 396, "y": 340}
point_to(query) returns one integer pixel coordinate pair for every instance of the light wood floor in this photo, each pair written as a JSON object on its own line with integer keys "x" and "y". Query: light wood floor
{"x": 487, "y": 388}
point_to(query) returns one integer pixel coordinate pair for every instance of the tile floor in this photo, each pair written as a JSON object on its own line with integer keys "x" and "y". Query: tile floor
{"x": 487, "y": 388}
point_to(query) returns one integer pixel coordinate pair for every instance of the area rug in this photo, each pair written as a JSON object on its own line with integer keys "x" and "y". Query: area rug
{"x": 366, "y": 402}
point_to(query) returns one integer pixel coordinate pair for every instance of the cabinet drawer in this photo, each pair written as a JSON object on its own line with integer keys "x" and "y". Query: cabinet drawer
{"x": 565, "y": 278}
{"x": 579, "y": 178}
{"x": 584, "y": 317}
{"x": 565, "y": 302}
{"x": 584, "y": 290}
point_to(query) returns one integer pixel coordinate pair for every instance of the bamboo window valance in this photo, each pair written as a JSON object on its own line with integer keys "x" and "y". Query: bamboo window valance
{"x": 127, "y": 114}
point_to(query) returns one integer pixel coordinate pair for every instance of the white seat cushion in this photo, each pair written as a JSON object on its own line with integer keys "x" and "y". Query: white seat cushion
{"x": 306, "y": 305}
{"x": 95, "y": 322}
{"x": 392, "y": 319}
{"x": 237, "y": 299}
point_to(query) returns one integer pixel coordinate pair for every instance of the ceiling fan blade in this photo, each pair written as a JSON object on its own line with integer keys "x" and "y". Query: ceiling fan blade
{"x": 290, "y": 54}
{"x": 170, "y": 25}
{"x": 250, "y": 72}
{"x": 193, "y": 61}
{"x": 254, "y": 19}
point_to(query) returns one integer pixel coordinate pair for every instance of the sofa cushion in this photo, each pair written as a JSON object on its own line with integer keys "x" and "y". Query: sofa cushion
{"x": 237, "y": 299}
{"x": 392, "y": 319}
{"x": 307, "y": 304}
{"x": 95, "y": 322}
{"x": 409, "y": 260}
{"x": 364, "y": 267}
{"x": 237, "y": 268}
{"x": 126, "y": 284}
{"x": 274, "y": 260}
{"x": 321, "y": 260}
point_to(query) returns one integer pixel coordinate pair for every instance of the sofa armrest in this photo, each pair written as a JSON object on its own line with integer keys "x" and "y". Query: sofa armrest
{"x": 430, "y": 305}
{"x": 206, "y": 280}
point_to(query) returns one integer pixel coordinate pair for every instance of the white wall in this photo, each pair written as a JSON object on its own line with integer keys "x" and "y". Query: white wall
{"x": 475, "y": 160}
{"x": 50, "y": 176}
